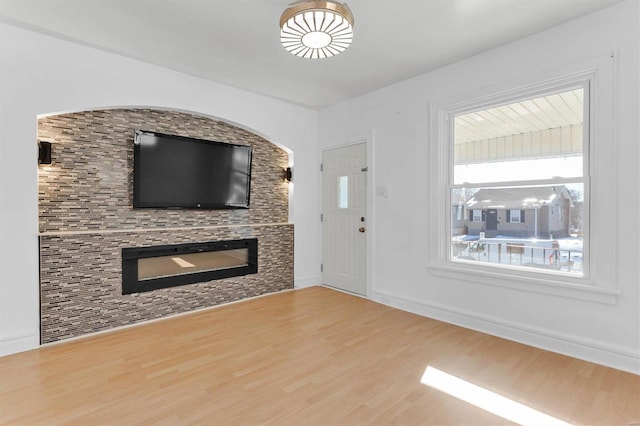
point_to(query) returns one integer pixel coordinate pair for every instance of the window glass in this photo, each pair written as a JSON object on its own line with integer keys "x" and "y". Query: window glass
{"x": 514, "y": 216}
{"x": 518, "y": 177}
{"x": 343, "y": 192}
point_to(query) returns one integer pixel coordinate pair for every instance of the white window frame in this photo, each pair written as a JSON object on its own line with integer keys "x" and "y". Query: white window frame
{"x": 599, "y": 283}
{"x": 525, "y": 95}
{"x": 511, "y": 216}
{"x": 477, "y": 219}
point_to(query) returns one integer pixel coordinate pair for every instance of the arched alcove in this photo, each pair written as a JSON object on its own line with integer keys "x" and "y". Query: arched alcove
{"x": 86, "y": 218}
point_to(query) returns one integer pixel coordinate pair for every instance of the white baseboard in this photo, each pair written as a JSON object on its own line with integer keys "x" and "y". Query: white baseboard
{"x": 615, "y": 356}
{"x": 21, "y": 342}
{"x": 307, "y": 282}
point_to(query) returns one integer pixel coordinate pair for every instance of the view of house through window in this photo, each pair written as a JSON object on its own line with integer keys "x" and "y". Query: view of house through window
{"x": 518, "y": 184}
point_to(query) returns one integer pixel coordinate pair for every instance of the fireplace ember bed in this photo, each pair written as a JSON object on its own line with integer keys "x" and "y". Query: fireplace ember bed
{"x": 156, "y": 267}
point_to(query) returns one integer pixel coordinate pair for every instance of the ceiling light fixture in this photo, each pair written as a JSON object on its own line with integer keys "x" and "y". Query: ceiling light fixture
{"x": 316, "y": 29}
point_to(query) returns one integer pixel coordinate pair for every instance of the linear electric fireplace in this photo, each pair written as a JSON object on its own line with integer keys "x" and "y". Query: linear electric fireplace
{"x": 152, "y": 268}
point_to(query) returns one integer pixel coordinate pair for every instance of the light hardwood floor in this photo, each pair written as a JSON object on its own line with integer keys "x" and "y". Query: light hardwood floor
{"x": 311, "y": 356}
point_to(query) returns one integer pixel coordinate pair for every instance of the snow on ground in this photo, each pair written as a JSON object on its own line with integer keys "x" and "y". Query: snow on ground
{"x": 564, "y": 254}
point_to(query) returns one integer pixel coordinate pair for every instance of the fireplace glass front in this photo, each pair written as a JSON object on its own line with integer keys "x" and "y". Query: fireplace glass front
{"x": 152, "y": 268}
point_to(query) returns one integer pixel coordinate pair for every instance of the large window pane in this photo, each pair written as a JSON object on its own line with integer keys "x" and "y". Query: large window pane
{"x": 517, "y": 189}
{"x": 536, "y": 227}
{"x": 541, "y": 138}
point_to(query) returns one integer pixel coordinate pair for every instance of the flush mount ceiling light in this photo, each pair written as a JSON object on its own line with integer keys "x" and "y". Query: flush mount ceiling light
{"x": 316, "y": 29}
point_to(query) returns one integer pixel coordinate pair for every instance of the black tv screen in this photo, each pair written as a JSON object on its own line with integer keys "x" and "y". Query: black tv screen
{"x": 180, "y": 172}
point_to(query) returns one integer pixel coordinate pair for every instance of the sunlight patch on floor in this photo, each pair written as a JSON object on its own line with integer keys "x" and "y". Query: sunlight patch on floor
{"x": 487, "y": 400}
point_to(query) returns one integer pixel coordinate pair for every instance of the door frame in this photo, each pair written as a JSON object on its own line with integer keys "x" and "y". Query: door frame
{"x": 368, "y": 140}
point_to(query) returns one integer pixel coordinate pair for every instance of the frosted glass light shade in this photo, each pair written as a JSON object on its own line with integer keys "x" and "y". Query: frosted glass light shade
{"x": 316, "y": 29}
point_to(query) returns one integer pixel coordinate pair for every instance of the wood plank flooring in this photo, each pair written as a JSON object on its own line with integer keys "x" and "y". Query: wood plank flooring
{"x": 306, "y": 357}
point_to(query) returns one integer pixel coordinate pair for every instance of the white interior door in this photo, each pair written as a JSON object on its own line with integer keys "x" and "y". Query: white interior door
{"x": 344, "y": 224}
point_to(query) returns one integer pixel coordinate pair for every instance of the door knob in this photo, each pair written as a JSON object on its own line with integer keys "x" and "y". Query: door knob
{"x": 361, "y": 229}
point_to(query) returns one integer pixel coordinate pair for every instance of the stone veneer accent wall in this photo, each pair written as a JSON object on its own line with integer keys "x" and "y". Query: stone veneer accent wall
{"x": 86, "y": 218}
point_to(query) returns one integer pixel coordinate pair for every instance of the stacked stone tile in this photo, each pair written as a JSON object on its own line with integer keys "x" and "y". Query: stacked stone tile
{"x": 86, "y": 218}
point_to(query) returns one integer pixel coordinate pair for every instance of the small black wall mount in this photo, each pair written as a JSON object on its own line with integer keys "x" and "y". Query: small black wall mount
{"x": 287, "y": 174}
{"x": 44, "y": 152}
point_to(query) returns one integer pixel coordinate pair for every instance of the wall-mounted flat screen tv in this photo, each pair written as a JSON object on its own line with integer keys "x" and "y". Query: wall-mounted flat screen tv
{"x": 180, "y": 172}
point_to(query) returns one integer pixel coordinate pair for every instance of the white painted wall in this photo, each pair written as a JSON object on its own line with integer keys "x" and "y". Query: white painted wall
{"x": 399, "y": 117}
{"x": 40, "y": 75}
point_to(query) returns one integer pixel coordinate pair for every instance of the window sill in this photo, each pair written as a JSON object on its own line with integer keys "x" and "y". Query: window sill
{"x": 556, "y": 286}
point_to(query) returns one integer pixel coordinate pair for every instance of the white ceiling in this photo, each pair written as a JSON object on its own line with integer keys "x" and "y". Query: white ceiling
{"x": 236, "y": 42}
